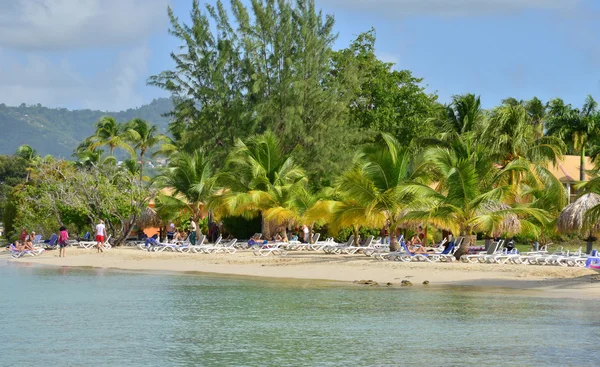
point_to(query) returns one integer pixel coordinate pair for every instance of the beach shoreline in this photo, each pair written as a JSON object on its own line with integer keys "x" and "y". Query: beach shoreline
{"x": 550, "y": 280}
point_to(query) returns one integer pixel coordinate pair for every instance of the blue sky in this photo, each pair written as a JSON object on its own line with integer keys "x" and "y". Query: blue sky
{"x": 98, "y": 53}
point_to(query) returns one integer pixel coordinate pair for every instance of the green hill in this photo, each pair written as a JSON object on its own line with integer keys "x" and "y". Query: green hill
{"x": 57, "y": 131}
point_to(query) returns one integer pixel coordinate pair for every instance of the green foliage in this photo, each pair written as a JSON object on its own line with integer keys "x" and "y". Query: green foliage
{"x": 58, "y": 131}
{"x": 13, "y": 171}
{"x": 263, "y": 69}
{"x": 59, "y": 193}
{"x": 382, "y": 99}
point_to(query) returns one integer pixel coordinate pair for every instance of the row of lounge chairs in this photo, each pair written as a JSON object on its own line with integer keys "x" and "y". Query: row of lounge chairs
{"x": 497, "y": 254}
{"x": 219, "y": 246}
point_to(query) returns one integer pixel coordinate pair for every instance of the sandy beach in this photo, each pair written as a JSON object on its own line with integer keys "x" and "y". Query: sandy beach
{"x": 346, "y": 268}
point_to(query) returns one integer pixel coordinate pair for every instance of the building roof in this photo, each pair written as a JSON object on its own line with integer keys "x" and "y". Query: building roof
{"x": 568, "y": 169}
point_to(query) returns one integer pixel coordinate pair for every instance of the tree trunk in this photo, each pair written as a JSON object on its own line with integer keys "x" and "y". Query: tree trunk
{"x": 394, "y": 246}
{"x": 141, "y": 165}
{"x": 356, "y": 237}
{"x": 464, "y": 248}
{"x": 589, "y": 245}
{"x": 582, "y": 165}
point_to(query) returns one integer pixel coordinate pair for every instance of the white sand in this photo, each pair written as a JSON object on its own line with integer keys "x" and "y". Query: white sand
{"x": 561, "y": 281}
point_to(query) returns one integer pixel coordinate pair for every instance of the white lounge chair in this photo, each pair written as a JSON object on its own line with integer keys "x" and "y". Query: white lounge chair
{"x": 90, "y": 244}
{"x": 228, "y": 247}
{"x": 14, "y": 253}
{"x": 270, "y": 248}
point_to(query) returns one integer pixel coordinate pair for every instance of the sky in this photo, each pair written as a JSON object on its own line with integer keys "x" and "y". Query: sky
{"x": 98, "y": 54}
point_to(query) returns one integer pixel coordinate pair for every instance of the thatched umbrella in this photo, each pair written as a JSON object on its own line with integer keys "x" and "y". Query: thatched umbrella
{"x": 149, "y": 218}
{"x": 510, "y": 223}
{"x": 572, "y": 218}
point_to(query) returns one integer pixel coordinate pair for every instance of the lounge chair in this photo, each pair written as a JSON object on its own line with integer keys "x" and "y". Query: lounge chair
{"x": 201, "y": 247}
{"x": 483, "y": 256}
{"x": 338, "y": 247}
{"x": 351, "y": 250}
{"x": 90, "y": 244}
{"x": 270, "y": 248}
{"x": 14, "y": 253}
{"x": 228, "y": 247}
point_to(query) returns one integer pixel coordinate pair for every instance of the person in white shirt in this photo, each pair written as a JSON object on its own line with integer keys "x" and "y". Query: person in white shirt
{"x": 100, "y": 236}
{"x": 306, "y": 231}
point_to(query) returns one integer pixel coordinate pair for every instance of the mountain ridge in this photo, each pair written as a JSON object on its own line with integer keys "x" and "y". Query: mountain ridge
{"x": 58, "y": 131}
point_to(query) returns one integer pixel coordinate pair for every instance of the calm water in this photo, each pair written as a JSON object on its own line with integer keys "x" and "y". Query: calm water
{"x": 81, "y": 317}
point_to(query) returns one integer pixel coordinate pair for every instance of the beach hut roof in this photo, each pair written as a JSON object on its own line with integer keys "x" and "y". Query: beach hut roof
{"x": 148, "y": 219}
{"x": 572, "y": 218}
{"x": 510, "y": 223}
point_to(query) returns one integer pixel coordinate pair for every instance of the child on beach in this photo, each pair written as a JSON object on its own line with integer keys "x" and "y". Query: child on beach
{"x": 63, "y": 238}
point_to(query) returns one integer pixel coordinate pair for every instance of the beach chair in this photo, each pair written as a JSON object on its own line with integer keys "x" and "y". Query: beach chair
{"x": 297, "y": 245}
{"x": 90, "y": 244}
{"x": 270, "y": 248}
{"x": 52, "y": 242}
{"x": 320, "y": 245}
{"x": 351, "y": 250}
{"x": 482, "y": 256}
{"x": 337, "y": 247}
{"x": 391, "y": 256}
{"x": 411, "y": 256}
{"x": 201, "y": 247}
{"x": 37, "y": 239}
{"x": 228, "y": 247}
{"x": 14, "y": 253}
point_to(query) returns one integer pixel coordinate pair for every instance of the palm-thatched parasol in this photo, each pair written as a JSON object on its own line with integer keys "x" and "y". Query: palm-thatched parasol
{"x": 572, "y": 218}
{"x": 149, "y": 218}
{"x": 510, "y": 223}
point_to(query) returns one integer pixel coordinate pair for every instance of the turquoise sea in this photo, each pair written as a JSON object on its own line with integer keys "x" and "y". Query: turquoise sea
{"x": 95, "y": 317}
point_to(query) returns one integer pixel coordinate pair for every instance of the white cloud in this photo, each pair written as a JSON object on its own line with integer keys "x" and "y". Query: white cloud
{"x": 39, "y": 79}
{"x": 72, "y": 24}
{"x": 448, "y": 7}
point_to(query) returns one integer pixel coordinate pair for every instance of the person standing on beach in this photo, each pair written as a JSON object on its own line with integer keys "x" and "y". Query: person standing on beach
{"x": 192, "y": 231}
{"x": 306, "y": 232}
{"x": 100, "y": 236}
{"x": 63, "y": 238}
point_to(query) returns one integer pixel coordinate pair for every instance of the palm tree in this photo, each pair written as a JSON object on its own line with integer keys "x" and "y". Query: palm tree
{"x": 30, "y": 155}
{"x": 470, "y": 195}
{"x": 110, "y": 133}
{"x": 190, "y": 176}
{"x": 87, "y": 158}
{"x": 579, "y": 128}
{"x": 371, "y": 192}
{"x": 463, "y": 115}
{"x": 510, "y": 134}
{"x": 144, "y": 136}
{"x": 259, "y": 164}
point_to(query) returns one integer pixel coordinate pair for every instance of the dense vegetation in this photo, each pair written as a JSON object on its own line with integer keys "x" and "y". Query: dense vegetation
{"x": 57, "y": 131}
{"x": 270, "y": 122}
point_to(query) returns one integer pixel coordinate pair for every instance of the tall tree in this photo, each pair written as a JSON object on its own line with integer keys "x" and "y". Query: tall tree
{"x": 264, "y": 69}
{"x": 110, "y": 133}
{"x": 382, "y": 99}
{"x": 144, "y": 136}
{"x": 30, "y": 155}
{"x": 190, "y": 177}
{"x": 580, "y": 129}
{"x": 258, "y": 165}
{"x": 464, "y": 114}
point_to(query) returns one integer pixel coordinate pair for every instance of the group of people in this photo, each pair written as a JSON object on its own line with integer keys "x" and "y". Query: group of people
{"x": 26, "y": 240}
